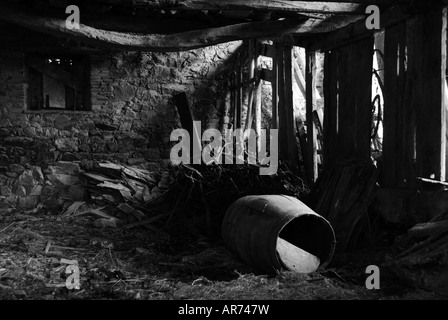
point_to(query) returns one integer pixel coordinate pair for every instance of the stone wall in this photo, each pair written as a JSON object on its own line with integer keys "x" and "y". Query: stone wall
{"x": 131, "y": 119}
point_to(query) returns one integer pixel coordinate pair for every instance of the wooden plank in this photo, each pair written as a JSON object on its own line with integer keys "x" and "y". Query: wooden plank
{"x": 409, "y": 93}
{"x": 234, "y": 96}
{"x": 331, "y": 108}
{"x": 311, "y": 154}
{"x": 187, "y": 122}
{"x": 346, "y": 7}
{"x": 393, "y": 42}
{"x": 282, "y": 132}
{"x": 355, "y": 99}
{"x": 183, "y": 108}
{"x": 257, "y": 105}
{"x": 346, "y": 138}
{"x": 183, "y": 40}
{"x": 431, "y": 141}
{"x": 289, "y": 108}
{"x": 298, "y": 76}
{"x": 239, "y": 94}
{"x": 274, "y": 84}
{"x": 252, "y": 65}
{"x": 362, "y": 52}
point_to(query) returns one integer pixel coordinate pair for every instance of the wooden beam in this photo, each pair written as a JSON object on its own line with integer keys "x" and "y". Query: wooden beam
{"x": 431, "y": 129}
{"x": 311, "y": 145}
{"x": 250, "y": 106}
{"x": 354, "y": 94}
{"x": 152, "y": 42}
{"x": 298, "y": 75}
{"x": 354, "y": 31}
{"x": 257, "y": 102}
{"x": 274, "y": 83}
{"x": 282, "y": 131}
{"x": 393, "y": 85}
{"x": 289, "y": 108}
{"x": 331, "y": 125}
{"x": 239, "y": 94}
{"x": 184, "y": 111}
{"x": 357, "y": 6}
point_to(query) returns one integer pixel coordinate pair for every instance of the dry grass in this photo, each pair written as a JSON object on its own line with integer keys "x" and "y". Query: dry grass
{"x": 122, "y": 264}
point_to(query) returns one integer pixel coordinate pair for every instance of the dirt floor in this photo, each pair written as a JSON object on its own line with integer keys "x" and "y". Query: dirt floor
{"x": 119, "y": 264}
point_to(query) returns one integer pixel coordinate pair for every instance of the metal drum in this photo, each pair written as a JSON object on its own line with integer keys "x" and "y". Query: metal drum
{"x": 274, "y": 232}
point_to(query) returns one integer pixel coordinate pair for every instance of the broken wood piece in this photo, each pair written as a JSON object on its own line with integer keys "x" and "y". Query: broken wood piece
{"x": 146, "y": 195}
{"x": 73, "y": 207}
{"x": 69, "y": 262}
{"x": 127, "y": 195}
{"x": 56, "y": 285}
{"x": 433, "y": 184}
{"x": 102, "y": 214}
{"x": 423, "y": 230}
{"x": 98, "y": 177}
{"x": 115, "y": 186}
{"x": 139, "y": 174}
{"x": 125, "y": 208}
{"x": 105, "y": 222}
{"x": 47, "y": 248}
{"x": 138, "y": 214}
{"x": 110, "y": 165}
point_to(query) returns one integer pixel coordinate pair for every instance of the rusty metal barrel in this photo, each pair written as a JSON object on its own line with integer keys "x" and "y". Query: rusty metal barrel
{"x": 275, "y": 232}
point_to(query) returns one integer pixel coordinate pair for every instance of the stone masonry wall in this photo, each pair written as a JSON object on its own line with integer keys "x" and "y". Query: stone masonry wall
{"x": 131, "y": 119}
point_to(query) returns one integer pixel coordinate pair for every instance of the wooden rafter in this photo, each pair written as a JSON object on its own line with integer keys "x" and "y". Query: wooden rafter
{"x": 335, "y": 6}
{"x": 355, "y": 31}
{"x": 157, "y": 42}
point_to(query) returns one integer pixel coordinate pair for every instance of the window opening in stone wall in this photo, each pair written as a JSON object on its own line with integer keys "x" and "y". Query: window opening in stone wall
{"x": 58, "y": 82}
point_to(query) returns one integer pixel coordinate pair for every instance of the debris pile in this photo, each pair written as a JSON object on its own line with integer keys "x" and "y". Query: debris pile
{"x": 190, "y": 198}
{"x": 422, "y": 256}
{"x": 120, "y": 194}
{"x": 342, "y": 195}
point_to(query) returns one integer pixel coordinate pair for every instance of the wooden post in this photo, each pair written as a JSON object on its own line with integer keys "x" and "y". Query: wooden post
{"x": 355, "y": 88}
{"x": 239, "y": 94}
{"x": 282, "y": 135}
{"x": 393, "y": 74}
{"x": 311, "y": 153}
{"x": 250, "y": 105}
{"x": 289, "y": 108}
{"x": 331, "y": 108}
{"x": 257, "y": 99}
{"x": 431, "y": 129}
{"x": 274, "y": 84}
{"x": 186, "y": 119}
{"x": 415, "y": 100}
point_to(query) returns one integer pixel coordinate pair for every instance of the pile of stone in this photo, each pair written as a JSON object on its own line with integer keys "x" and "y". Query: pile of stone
{"x": 124, "y": 191}
{"x": 27, "y": 187}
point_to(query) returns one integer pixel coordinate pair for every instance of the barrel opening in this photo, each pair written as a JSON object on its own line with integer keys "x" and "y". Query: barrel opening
{"x": 314, "y": 238}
